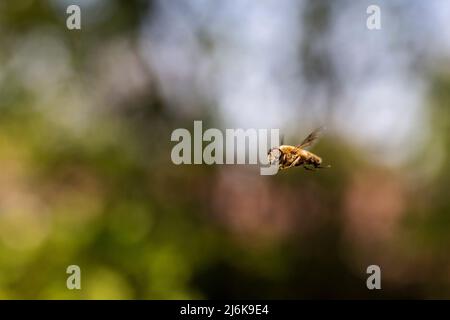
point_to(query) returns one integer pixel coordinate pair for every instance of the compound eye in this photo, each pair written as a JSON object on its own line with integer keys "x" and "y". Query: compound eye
{"x": 274, "y": 154}
{"x": 277, "y": 153}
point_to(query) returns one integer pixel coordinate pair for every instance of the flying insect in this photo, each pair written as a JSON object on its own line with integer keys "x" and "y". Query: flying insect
{"x": 294, "y": 156}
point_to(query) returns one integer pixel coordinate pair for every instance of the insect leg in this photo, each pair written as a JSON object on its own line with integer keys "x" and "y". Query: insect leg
{"x": 295, "y": 162}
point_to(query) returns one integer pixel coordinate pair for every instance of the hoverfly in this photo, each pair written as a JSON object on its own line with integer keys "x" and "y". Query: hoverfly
{"x": 294, "y": 156}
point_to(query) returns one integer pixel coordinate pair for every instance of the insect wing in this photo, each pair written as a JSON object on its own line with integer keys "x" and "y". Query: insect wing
{"x": 311, "y": 138}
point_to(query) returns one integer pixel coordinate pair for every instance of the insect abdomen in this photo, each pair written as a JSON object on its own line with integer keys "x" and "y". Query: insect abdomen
{"x": 314, "y": 160}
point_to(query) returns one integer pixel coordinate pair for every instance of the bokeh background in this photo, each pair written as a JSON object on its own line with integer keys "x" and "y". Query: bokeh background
{"x": 86, "y": 176}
